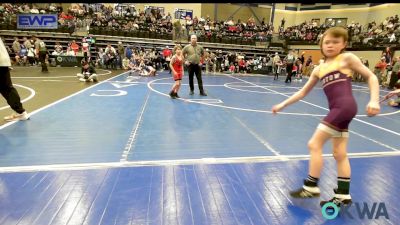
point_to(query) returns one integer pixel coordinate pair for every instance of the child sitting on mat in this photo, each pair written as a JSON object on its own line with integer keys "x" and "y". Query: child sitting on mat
{"x": 88, "y": 73}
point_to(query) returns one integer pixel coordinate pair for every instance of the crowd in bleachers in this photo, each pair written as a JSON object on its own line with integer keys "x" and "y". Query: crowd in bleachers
{"x": 67, "y": 21}
{"x": 386, "y": 32}
{"x": 306, "y": 31}
{"x": 129, "y": 56}
{"x": 137, "y": 57}
{"x": 128, "y": 19}
{"x": 155, "y": 20}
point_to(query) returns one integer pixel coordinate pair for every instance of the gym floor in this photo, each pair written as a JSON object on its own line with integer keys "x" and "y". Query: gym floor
{"x": 38, "y": 89}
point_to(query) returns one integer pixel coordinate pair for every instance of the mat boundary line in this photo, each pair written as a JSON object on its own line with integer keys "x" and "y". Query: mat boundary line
{"x": 199, "y": 161}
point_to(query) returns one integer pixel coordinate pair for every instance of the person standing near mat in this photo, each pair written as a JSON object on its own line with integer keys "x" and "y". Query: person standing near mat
{"x": 193, "y": 53}
{"x": 7, "y": 89}
{"x": 41, "y": 52}
{"x": 176, "y": 65}
{"x": 335, "y": 74}
{"x": 290, "y": 59}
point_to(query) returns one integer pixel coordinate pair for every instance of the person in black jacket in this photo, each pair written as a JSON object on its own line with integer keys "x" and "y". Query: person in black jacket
{"x": 88, "y": 73}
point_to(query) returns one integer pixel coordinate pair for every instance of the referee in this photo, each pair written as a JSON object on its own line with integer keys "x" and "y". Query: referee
{"x": 41, "y": 52}
{"x": 193, "y": 54}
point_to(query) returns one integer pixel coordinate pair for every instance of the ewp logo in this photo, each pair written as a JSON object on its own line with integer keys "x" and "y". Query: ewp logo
{"x": 330, "y": 211}
{"x": 37, "y": 21}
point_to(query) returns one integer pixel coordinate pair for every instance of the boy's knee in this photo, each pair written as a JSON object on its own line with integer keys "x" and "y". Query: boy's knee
{"x": 313, "y": 147}
{"x": 339, "y": 155}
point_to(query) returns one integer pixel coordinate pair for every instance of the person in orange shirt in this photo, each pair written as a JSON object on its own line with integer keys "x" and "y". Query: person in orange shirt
{"x": 380, "y": 68}
{"x": 74, "y": 46}
{"x": 167, "y": 53}
{"x": 242, "y": 65}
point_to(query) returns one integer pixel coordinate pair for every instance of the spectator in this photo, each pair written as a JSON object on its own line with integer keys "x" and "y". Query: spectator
{"x": 85, "y": 50}
{"x": 387, "y": 53}
{"x": 128, "y": 52}
{"x": 125, "y": 63}
{"x": 279, "y": 66}
{"x": 69, "y": 52}
{"x": 121, "y": 53}
{"x": 74, "y": 47}
{"x": 308, "y": 67}
{"x": 100, "y": 58}
{"x": 58, "y": 49}
{"x": 23, "y": 54}
{"x": 110, "y": 57}
{"x": 31, "y": 55}
{"x": 380, "y": 69}
{"x": 16, "y": 47}
{"x": 88, "y": 73}
{"x": 275, "y": 60}
{"x": 167, "y": 54}
{"x": 394, "y": 102}
{"x": 395, "y": 73}
{"x": 232, "y": 68}
{"x": 27, "y": 43}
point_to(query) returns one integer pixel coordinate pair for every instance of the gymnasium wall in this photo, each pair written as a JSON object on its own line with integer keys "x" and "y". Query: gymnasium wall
{"x": 170, "y": 7}
{"x": 379, "y": 13}
{"x": 372, "y": 56}
{"x": 357, "y": 15}
{"x": 208, "y": 9}
{"x": 289, "y": 16}
{"x": 224, "y": 11}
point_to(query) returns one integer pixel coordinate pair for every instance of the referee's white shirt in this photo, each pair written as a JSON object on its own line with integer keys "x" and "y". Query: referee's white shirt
{"x": 4, "y": 57}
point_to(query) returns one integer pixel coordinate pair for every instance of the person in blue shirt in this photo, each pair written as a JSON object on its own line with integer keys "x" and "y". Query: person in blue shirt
{"x": 23, "y": 54}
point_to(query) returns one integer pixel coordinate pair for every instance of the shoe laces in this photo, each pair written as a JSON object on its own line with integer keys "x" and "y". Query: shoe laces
{"x": 305, "y": 193}
{"x": 336, "y": 201}
{"x": 14, "y": 115}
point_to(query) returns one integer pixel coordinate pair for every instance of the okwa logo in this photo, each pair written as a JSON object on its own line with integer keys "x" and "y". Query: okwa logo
{"x": 330, "y": 211}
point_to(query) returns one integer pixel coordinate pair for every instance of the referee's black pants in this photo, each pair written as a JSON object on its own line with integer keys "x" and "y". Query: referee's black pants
{"x": 9, "y": 92}
{"x": 42, "y": 58}
{"x": 393, "y": 79}
{"x": 195, "y": 69}
{"x": 289, "y": 68}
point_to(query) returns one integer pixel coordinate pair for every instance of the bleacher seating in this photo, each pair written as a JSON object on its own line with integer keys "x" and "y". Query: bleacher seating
{"x": 102, "y": 40}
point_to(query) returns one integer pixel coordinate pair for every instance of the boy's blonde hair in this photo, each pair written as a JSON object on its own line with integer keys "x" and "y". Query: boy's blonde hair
{"x": 336, "y": 32}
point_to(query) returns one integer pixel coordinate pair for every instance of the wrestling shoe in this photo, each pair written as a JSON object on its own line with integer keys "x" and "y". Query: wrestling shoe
{"x": 338, "y": 199}
{"x": 306, "y": 192}
{"x": 17, "y": 116}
